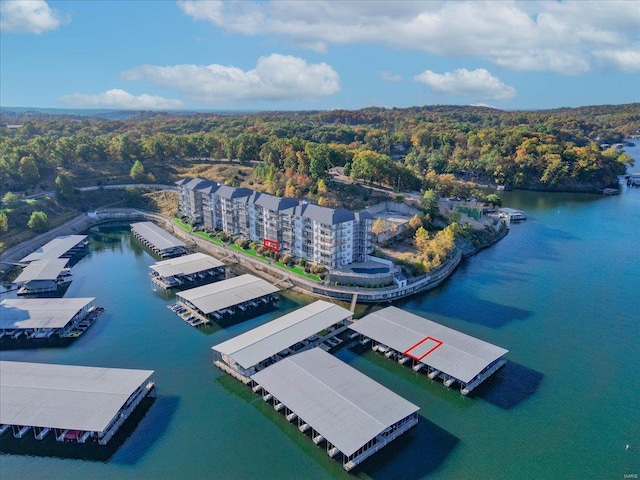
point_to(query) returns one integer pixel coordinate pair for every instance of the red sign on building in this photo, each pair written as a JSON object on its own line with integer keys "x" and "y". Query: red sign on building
{"x": 271, "y": 244}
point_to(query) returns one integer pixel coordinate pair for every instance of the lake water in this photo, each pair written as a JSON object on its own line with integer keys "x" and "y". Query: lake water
{"x": 561, "y": 292}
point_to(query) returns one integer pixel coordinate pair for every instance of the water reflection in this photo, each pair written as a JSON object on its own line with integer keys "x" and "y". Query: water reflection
{"x": 509, "y": 386}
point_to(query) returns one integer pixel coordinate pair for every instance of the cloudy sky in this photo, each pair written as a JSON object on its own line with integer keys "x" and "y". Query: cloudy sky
{"x": 295, "y": 55}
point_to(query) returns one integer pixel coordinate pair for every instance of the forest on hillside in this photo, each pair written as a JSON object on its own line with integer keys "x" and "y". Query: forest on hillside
{"x": 431, "y": 147}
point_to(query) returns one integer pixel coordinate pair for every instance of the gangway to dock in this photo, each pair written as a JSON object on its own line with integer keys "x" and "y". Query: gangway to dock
{"x": 354, "y": 301}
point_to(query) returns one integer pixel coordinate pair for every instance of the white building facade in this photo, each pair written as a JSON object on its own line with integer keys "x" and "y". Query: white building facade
{"x": 326, "y": 236}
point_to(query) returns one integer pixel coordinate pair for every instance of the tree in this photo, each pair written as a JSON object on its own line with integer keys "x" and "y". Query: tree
{"x": 64, "y": 187}
{"x": 421, "y": 239}
{"x": 415, "y": 222}
{"x": 38, "y": 222}
{"x": 10, "y": 199}
{"x": 430, "y": 203}
{"x": 494, "y": 200}
{"x": 319, "y": 159}
{"x": 29, "y": 171}
{"x": 378, "y": 226}
{"x": 137, "y": 172}
{"x": 4, "y": 222}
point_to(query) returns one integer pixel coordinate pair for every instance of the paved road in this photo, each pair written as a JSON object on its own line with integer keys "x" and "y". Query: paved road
{"x": 153, "y": 186}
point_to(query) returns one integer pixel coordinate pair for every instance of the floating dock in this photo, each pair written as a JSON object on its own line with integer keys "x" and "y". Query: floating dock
{"x": 225, "y": 299}
{"x": 427, "y": 346}
{"x": 65, "y": 246}
{"x": 187, "y": 270}
{"x": 158, "y": 240}
{"x": 511, "y": 215}
{"x": 300, "y": 330}
{"x": 76, "y": 404}
{"x": 351, "y": 414}
{"x": 45, "y": 318}
{"x": 45, "y": 276}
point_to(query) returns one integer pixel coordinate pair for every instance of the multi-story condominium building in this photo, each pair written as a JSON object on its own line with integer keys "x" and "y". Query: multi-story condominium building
{"x": 327, "y": 236}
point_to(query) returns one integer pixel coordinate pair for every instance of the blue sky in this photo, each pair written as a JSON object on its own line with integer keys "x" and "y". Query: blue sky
{"x": 300, "y": 55}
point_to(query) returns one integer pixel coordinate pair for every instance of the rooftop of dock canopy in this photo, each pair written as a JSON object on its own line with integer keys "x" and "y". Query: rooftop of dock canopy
{"x": 254, "y": 346}
{"x": 343, "y": 405}
{"x": 156, "y": 236}
{"x": 450, "y": 351}
{"x": 64, "y": 396}
{"x": 227, "y": 293}
{"x": 25, "y": 313}
{"x": 56, "y": 248}
{"x": 186, "y": 265}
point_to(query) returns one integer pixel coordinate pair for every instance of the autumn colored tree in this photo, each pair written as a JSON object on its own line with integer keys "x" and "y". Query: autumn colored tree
{"x": 4, "y": 222}
{"x": 378, "y": 226}
{"x": 415, "y": 222}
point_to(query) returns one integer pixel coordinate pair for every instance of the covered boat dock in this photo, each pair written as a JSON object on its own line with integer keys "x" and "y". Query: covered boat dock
{"x": 512, "y": 215}
{"x": 42, "y": 318}
{"x": 76, "y": 404}
{"x": 353, "y": 415}
{"x": 43, "y": 276}
{"x": 225, "y": 299}
{"x": 65, "y": 246}
{"x": 187, "y": 270}
{"x": 427, "y": 346}
{"x": 158, "y": 240}
{"x": 300, "y": 330}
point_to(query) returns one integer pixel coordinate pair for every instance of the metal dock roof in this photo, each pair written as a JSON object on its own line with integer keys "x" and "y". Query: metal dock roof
{"x": 158, "y": 237}
{"x": 343, "y": 405}
{"x": 227, "y": 293}
{"x": 262, "y": 342}
{"x": 64, "y": 396}
{"x": 42, "y": 270}
{"x": 55, "y": 248}
{"x": 186, "y": 265}
{"x": 459, "y": 355}
{"x": 39, "y": 312}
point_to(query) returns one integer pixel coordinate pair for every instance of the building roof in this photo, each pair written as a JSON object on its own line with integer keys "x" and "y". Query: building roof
{"x": 229, "y": 192}
{"x": 42, "y": 270}
{"x": 158, "y": 237}
{"x": 325, "y": 215}
{"x": 275, "y": 204}
{"x": 262, "y": 342}
{"x": 209, "y": 189}
{"x": 459, "y": 355}
{"x": 64, "y": 396}
{"x": 186, "y": 265}
{"x": 55, "y": 248}
{"x": 197, "y": 183}
{"x": 22, "y": 313}
{"x": 227, "y": 293}
{"x": 343, "y": 405}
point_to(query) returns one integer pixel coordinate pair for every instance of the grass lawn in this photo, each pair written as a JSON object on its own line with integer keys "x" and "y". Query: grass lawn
{"x": 183, "y": 226}
{"x": 299, "y": 271}
{"x": 248, "y": 251}
{"x": 206, "y": 236}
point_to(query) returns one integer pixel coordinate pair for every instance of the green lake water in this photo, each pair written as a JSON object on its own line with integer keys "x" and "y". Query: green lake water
{"x": 561, "y": 292}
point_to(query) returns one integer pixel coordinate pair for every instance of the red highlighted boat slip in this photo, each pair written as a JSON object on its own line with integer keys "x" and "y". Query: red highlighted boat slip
{"x": 423, "y": 348}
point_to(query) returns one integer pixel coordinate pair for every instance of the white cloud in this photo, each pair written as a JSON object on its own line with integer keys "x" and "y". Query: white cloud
{"x": 626, "y": 60}
{"x": 564, "y": 37}
{"x": 478, "y": 84}
{"x": 117, "y": 98}
{"x": 29, "y": 16}
{"x": 276, "y": 77}
{"x": 390, "y": 76}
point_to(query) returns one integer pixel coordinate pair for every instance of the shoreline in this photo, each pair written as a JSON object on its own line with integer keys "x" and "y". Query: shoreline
{"x": 86, "y": 221}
